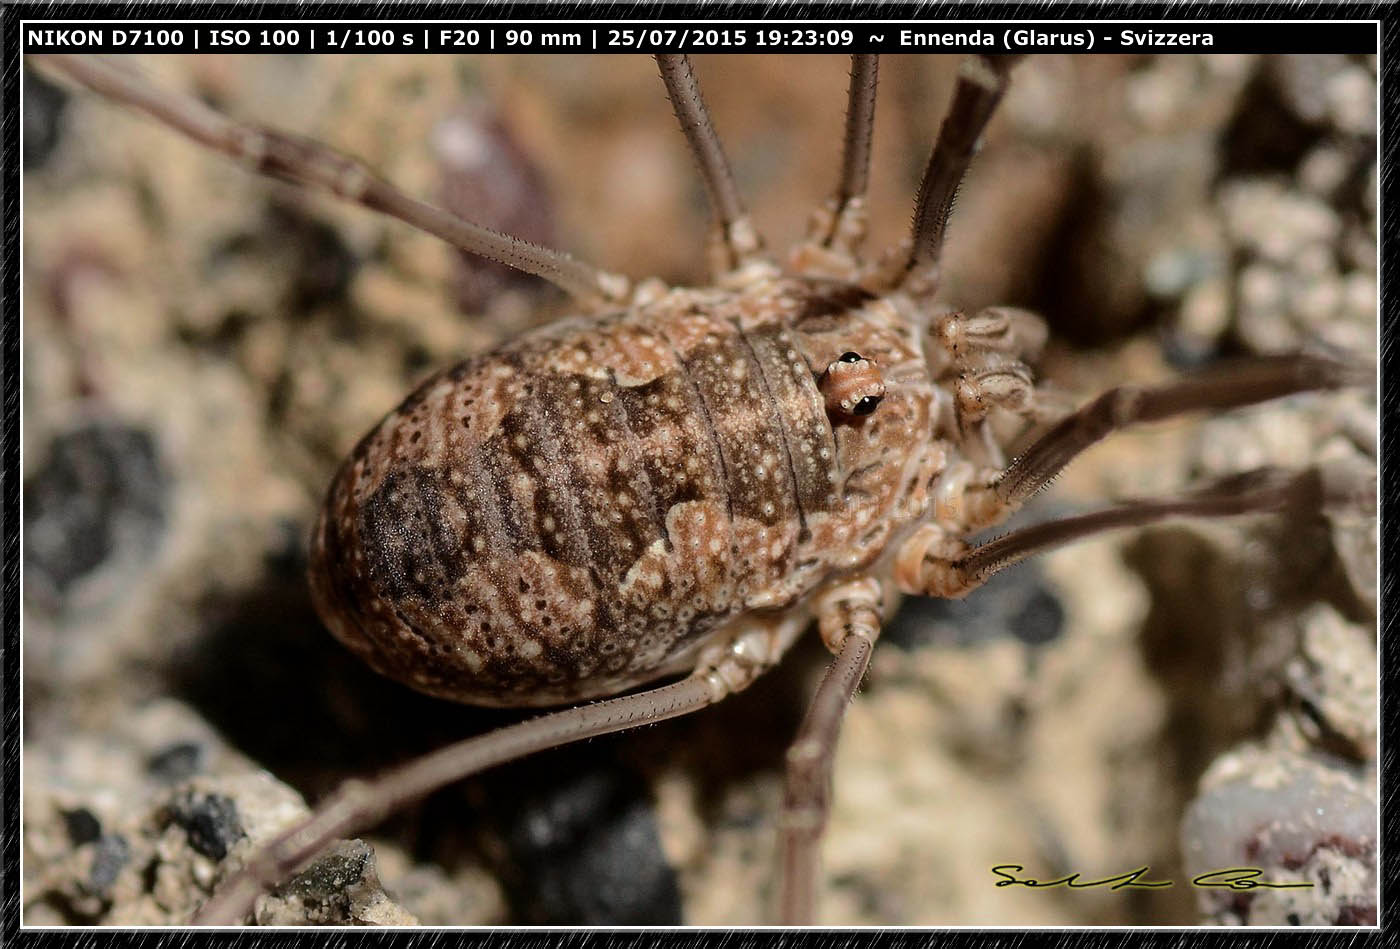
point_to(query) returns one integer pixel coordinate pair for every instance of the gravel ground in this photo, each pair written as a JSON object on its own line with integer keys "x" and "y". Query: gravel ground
{"x": 202, "y": 347}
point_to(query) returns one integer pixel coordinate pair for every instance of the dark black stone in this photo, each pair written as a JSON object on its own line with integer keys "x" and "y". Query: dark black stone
{"x": 1014, "y": 603}
{"x": 1039, "y": 620}
{"x": 210, "y": 822}
{"x": 177, "y": 762}
{"x": 102, "y": 491}
{"x": 327, "y": 879}
{"x": 324, "y": 264}
{"x": 502, "y": 188}
{"x": 1187, "y": 354}
{"x": 585, "y": 850}
{"x": 287, "y": 554}
{"x": 44, "y": 104}
{"x": 1084, "y": 302}
{"x": 417, "y": 359}
{"x": 1266, "y": 133}
{"x": 110, "y": 854}
{"x": 83, "y": 826}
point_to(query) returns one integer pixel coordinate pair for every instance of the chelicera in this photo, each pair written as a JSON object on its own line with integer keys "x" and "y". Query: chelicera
{"x": 679, "y": 482}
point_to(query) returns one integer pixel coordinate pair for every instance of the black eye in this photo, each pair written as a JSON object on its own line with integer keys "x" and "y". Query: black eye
{"x": 850, "y": 357}
{"x": 867, "y": 405}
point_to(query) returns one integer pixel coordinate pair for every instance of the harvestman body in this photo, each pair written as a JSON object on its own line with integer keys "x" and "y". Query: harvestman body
{"x": 678, "y": 483}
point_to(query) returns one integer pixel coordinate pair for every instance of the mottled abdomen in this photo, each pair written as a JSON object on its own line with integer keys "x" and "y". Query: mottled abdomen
{"x": 576, "y": 512}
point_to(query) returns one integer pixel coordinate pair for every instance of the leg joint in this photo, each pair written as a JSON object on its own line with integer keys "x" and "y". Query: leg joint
{"x": 850, "y": 609}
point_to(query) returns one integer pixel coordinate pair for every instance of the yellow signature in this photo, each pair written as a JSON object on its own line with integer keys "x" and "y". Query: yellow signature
{"x": 1233, "y": 878}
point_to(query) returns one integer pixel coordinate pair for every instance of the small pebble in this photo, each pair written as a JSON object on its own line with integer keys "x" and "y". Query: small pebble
{"x": 1017, "y": 604}
{"x": 110, "y": 855}
{"x": 1351, "y": 96}
{"x": 1323, "y": 171}
{"x": 44, "y": 105}
{"x": 586, "y": 851}
{"x": 1295, "y": 819}
{"x": 211, "y": 822}
{"x": 83, "y": 826}
{"x": 177, "y": 762}
{"x": 101, "y": 493}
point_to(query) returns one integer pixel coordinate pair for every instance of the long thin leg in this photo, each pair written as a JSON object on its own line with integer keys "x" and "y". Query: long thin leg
{"x": 837, "y": 227}
{"x": 1263, "y": 491}
{"x": 1222, "y": 387}
{"x": 847, "y": 220}
{"x": 982, "y": 81}
{"x": 358, "y": 804}
{"x": 309, "y": 163}
{"x": 739, "y": 240}
{"x": 849, "y": 619}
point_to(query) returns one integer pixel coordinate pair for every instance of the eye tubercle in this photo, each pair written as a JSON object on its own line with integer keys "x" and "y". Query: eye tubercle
{"x": 852, "y": 386}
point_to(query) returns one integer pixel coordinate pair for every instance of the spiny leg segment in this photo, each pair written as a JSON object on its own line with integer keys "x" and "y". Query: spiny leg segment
{"x": 312, "y": 164}
{"x": 738, "y": 241}
{"x": 982, "y": 81}
{"x": 837, "y": 227}
{"x": 1262, "y": 491}
{"x": 1226, "y": 386}
{"x": 846, "y": 225}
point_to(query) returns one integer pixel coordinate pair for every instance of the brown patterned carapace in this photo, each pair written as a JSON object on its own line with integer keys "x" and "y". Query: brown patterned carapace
{"x": 576, "y": 512}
